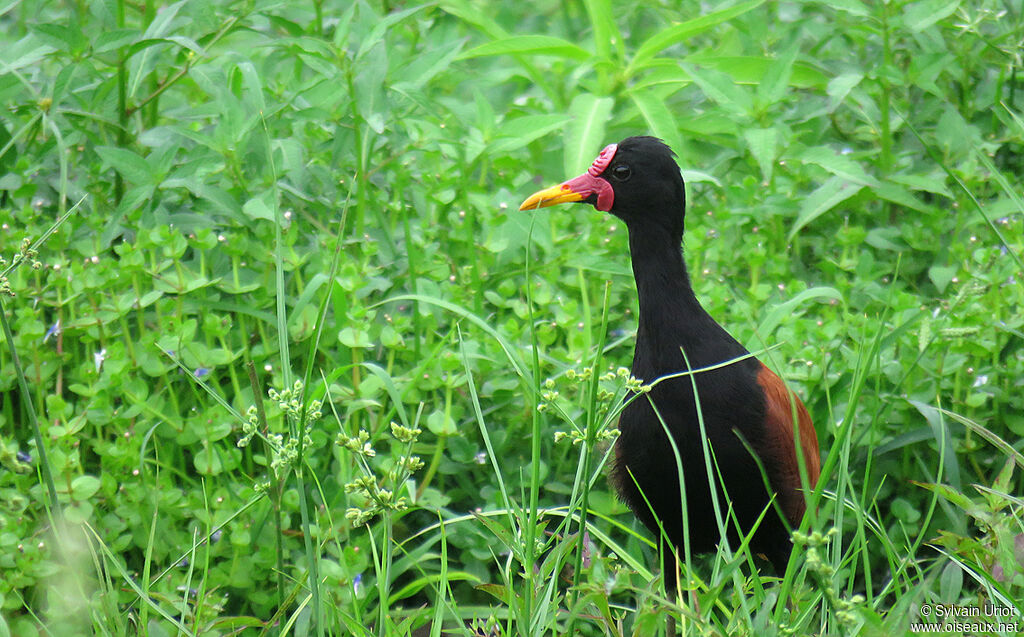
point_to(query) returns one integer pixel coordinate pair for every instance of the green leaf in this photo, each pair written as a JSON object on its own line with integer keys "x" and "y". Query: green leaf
{"x": 423, "y": 68}
{"x": 382, "y": 26}
{"x": 256, "y": 208}
{"x": 886, "y": 239}
{"x": 694, "y": 176}
{"x": 721, "y": 88}
{"x": 751, "y": 69}
{"x": 353, "y": 338}
{"x": 840, "y": 86}
{"x": 853, "y": 7}
{"x": 585, "y": 134}
{"x": 776, "y": 80}
{"x": 925, "y": 183}
{"x": 900, "y": 195}
{"x": 114, "y": 39}
{"x": 369, "y": 88}
{"x": 515, "y": 133}
{"x": 940, "y": 433}
{"x": 921, "y": 15}
{"x": 830, "y": 194}
{"x": 84, "y": 487}
{"x": 660, "y": 120}
{"x": 839, "y": 165}
{"x": 10, "y": 154}
{"x": 606, "y": 32}
{"x": 941, "y": 276}
{"x": 530, "y": 44}
{"x": 207, "y": 460}
{"x": 24, "y": 52}
{"x": 762, "y": 144}
{"x": 950, "y": 494}
{"x": 131, "y": 165}
{"x": 441, "y": 424}
{"x": 680, "y": 32}
{"x": 787, "y": 309}
{"x": 161, "y": 23}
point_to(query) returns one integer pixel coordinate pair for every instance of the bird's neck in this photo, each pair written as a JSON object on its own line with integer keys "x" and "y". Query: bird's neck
{"x": 671, "y": 317}
{"x": 662, "y": 281}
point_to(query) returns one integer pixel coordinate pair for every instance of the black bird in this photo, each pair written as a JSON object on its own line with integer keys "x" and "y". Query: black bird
{"x": 740, "y": 399}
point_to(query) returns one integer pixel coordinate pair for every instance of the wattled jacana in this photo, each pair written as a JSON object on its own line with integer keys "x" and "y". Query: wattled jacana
{"x": 740, "y": 399}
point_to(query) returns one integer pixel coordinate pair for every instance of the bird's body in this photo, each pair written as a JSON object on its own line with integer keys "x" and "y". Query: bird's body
{"x": 738, "y": 401}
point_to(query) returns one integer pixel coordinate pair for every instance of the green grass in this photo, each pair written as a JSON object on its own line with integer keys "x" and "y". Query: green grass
{"x": 280, "y": 355}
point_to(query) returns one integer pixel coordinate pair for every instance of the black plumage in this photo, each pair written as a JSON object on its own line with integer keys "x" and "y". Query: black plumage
{"x": 740, "y": 399}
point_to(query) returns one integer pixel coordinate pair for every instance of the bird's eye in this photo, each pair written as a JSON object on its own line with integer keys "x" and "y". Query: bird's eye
{"x": 621, "y": 172}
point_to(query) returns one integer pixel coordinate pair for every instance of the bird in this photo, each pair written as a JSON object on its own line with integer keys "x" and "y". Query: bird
{"x": 742, "y": 404}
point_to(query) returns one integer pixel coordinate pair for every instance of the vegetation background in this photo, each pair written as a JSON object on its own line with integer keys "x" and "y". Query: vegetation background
{"x": 329, "y": 191}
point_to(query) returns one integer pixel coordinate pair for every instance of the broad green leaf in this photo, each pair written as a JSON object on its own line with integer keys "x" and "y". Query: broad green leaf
{"x": 606, "y": 32}
{"x": 926, "y": 183}
{"x": 788, "y": 308}
{"x": 62, "y": 37}
{"x": 762, "y": 143}
{"x": 518, "y": 132}
{"x": 680, "y": 32}
{"x": 721, "y": 88}
{"x": 830, "y": 194}
{"x": 472, "y": 15}
{"x": 134, "y": 198}
{"x": 84, "y": 487}
{"x": 840, "y": 86}
{"x": 257, "y": 208}
{"x": 940, "y": 432}
{"x": 837, "y": 164}
{"x": 423, "y": 68}
{"x": 660, "y": 120}
{"x": 214, "y": 195}
{"x": 750, "y": 69}
{"x": 530, "y": 44}
{"x": 253, "y": 86}
{"x": 161, "y": 23}
{"x": 941, "y": 276}
{"x": 887, "y": 238}
{"x": 8, "y": 151}
{"x": 585, "y": 134}
{"x": 853, "y": 7}
{"x": 114, "y": 39}
{"x": 25, "y": 52}
{"x": 694, "y": 176}
{"x": 441, "y": 424}
{"x": 186, "y": 43}
{"x": 899, "y": 194}
{"x": 921, "y": 15}
{"x": 997, "y": 174}
{"x": 354, "y": 338}
{"x": 776, "y": 80}
{"x": 1018, "y": 122}
{"x": 382, "y": 26}
{"x": 130, "y": 164}
{"x": 207, "y": 460}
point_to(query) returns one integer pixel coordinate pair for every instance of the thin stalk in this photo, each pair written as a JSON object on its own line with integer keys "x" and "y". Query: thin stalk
{"x": 593, "y": 428}
{"x": 122, "y": 103}
{"x": 883, "y": 81}
{"x": 535, "y": 434}
{"x": 26, "y": 399}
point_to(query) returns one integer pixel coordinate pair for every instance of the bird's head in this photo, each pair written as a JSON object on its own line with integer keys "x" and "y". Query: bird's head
{"x": 636, "y": 180}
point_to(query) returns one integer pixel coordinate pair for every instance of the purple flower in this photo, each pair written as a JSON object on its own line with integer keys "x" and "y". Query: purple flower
{"x": 54, "y": 329}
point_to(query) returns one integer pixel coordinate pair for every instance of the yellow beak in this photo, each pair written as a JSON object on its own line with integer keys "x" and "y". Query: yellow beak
{"x": 550, "y": 197}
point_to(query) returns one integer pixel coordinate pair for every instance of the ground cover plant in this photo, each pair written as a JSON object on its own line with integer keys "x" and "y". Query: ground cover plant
{"x": 280, "y": 355}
